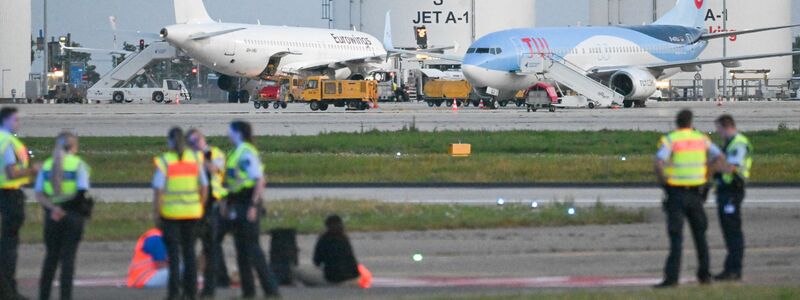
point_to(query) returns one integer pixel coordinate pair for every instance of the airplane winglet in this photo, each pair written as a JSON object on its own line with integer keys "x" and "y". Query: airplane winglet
{"x": 387, "y": 32}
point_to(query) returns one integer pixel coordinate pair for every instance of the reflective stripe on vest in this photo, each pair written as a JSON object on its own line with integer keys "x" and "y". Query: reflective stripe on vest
{"x": 142, "y": 266}
{"x": 743, "y": 170}
{"x": 182, "y": 191}
{"x": 236, "y": 177}
{"x": 23, "y": 161}
{"x": 69, "y": 182}
{"x": 688, "y": 164}
{"x": 218, "y": 178}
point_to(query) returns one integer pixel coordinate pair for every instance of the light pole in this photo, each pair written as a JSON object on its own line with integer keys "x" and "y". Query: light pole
{"x": 3, "y": 82}
{"x": 725, "y": 49}
{"x": 45, "y": 56}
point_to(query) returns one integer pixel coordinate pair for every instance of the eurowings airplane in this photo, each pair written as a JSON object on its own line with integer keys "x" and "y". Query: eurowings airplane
{"x": 628, "y": 59}
{"x": 256, "y": 51}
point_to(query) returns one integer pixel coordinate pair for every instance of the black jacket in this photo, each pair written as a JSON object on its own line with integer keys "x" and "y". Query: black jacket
{"x": 335, "y": 255}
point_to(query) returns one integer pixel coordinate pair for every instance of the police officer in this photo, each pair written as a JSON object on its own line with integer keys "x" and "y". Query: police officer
{"x": 211, "y": 235}
{"x": 731, "y": 180}
{"x": 682, "y": 169}
{"x": 246, "y": 182}
{"x": 180, "y": 188}
{"x": 61, "y": 188}
{"x": 16, "y": 172}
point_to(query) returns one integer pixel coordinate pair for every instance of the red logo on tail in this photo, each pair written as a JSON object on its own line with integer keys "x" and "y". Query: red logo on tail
{"x": 699, "y": 3}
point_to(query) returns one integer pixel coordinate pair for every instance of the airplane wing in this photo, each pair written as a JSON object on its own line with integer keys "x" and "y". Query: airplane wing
{"x": 205, "y": 35}
{"x": 453, "y": 58}
{"x": 718, "y": 35}
{"x": 693, "y": 63}
{"x": 93, "y": 50}
{"x": 294, "y": 68}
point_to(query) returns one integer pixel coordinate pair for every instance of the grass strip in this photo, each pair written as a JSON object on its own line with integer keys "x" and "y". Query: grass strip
{"x": 714, "y": 292}
{"x": 371, "y": 157}
{"x": 126, "y": 221}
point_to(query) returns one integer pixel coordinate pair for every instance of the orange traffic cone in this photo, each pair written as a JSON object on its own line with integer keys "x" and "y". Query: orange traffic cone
{"x": 177, "y": 99}
{"x": 481, "y": 106}
{"x": 455, "y": 105}
{"x": 375, "y": 104}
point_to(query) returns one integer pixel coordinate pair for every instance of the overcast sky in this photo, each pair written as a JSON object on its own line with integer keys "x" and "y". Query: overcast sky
{"x": 88, "y": 22}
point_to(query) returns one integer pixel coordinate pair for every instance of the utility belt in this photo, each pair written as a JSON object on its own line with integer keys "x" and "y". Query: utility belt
{"x": 696, "y": 189}
{"x": 80, "y": 204}
{"x": 245, "y": 196}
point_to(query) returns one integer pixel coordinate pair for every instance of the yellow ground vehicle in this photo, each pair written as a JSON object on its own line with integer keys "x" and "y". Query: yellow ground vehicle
{"x": 438, "y": 92}
{"x": 321, "y": 92}
{"x": 295, "y": 86}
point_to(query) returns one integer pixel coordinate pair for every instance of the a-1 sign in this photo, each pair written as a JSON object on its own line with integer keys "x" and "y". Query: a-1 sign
{"x": 441, "y": 16}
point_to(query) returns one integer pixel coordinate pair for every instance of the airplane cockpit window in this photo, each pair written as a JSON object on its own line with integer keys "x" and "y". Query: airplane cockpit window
{"x": 470, "y": 50}
{"x": 492, "y": 51}
{"x": 498, "y": 50}
{"x": 482, "y": 50}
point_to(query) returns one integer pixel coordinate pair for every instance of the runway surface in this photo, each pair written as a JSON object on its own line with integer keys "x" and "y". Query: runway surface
{"x": 155, "y": 119}
{"x": 475, "y": 262}
{"x": 623, "y": 197}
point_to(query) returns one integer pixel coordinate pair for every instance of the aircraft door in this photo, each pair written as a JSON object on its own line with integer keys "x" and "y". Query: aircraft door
{"x": 230, "y": 48}
{"x": 529, "y": 60}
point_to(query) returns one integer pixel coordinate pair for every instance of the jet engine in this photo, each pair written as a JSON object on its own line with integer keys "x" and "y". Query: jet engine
{"x": 226, "y": 83}
{"x": 634, "y": 84}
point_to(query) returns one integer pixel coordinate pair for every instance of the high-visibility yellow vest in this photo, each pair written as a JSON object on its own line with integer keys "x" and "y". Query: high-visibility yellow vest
{"x": 69, "y": 183}
{"x": 23, "y": 161}
{"x": 237, "y": 178}
{"x": 218, "y": 189}
{"x": 688, "y": 165}
{"x": 182, "y": 191}
{"x": 744, "y": 170}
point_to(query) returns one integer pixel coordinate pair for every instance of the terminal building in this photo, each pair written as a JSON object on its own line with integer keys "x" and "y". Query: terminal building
{"x": 15, "y": 47}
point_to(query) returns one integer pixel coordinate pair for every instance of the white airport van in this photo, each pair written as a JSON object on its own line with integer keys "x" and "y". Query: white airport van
{"x": 168, "y": 91}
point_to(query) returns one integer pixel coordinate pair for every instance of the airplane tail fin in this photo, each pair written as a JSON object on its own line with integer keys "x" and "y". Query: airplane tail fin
{"x": 388, "y": 44}
{"x": 688, "y": 13}
{"x": 191, "y": 12}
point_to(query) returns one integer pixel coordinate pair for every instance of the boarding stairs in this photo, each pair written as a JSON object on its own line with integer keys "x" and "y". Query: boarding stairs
{"x": 134, "y": 65}
{"x": 550, "y": 67}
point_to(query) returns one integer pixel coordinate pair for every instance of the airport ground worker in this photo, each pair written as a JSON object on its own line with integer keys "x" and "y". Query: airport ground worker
{"x": 682, "y": 169}
{"x": 334, "y": 260}
{"x": 149, "y": 266}
{"x": 210, "y": 235}
{"x": 246, "y": 181}
{"x": 180, "y": 188}
{"x": 61, "y": 188}
{"x": 16, "y": 172}
{"x": 731, "y": 183}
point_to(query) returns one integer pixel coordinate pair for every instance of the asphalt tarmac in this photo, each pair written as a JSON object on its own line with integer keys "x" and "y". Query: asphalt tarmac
{"x": 617, "y": 196}
{"x": 155, "y": 119}
{"x": 476, "y": 262}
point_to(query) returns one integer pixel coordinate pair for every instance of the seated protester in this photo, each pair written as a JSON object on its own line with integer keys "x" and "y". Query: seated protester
{"x": 334, "y": 255}
{"x": 148, "y": 267}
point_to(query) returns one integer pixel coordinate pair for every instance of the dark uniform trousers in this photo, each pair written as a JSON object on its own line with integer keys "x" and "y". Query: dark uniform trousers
{"x": 249, "y": 254}
{"x": 180, "y": 237}
{"x": 212, "y": 235}
{"x": 685, "y": 202}
{"x": 12, "y": 212}
{"x": 729, "y": 207}
{"x": 61, "y": 242}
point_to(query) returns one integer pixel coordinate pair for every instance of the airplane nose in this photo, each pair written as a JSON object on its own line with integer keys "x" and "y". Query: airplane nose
{"x": 473, "y": 75}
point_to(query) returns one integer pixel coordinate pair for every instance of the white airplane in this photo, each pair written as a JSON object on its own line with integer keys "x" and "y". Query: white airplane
{"x": 254, "y": 52}
{"x": 628, "y": 59}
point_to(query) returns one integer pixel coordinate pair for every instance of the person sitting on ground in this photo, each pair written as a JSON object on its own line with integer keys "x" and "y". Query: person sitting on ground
{"x": 334, "y": 255}
{"x": 148, "y": 267}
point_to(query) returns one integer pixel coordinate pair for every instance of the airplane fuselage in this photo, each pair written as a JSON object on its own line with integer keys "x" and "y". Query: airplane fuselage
{"x": 583, "y": 48}
{"x": 248, "y": 51}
